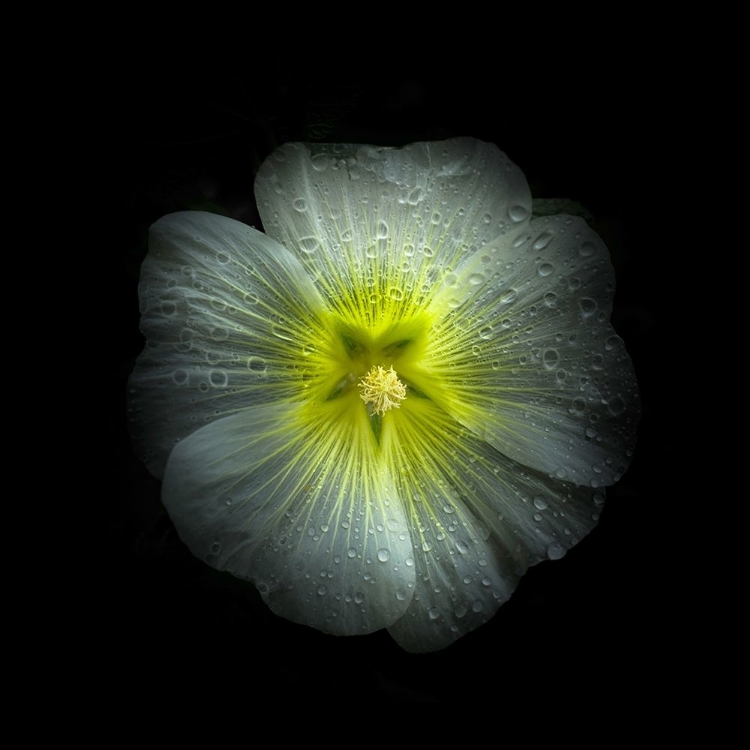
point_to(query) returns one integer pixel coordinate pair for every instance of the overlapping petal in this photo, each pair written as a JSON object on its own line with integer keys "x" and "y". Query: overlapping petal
{"x": 477, "y": 521}
{"x": 524, "y": 354}
{"x": 378, "y": 228}
{"x": 226, "y": 311}
{"x": 303, "y": 507}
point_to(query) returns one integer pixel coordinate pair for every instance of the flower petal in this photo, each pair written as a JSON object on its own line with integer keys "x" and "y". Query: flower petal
{"x": 526, "y": 358}
{"x": 378, "y": 227}
{"x": 478, "y": 521}
{"x": 301, "y": 508}
{"x": 225, "y": 310}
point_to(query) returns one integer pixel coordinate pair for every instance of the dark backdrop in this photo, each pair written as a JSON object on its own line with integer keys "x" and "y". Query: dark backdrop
{"x": 183, "y": 136}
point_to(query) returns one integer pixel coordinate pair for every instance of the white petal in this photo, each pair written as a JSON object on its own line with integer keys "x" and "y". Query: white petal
{"x": 379, "y": 227}
{"x": 309, "y": 517}
{"x": 224, "y": 309}
{"x": 526, "y": 358}
{"x": 478, "y": 520}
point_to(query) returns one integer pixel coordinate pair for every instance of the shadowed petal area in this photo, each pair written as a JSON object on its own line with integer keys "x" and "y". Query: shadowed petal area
{"x": 302, "y": 508}
{"x": 378, "y": 227}
{"x": 478, "y": 520}
{"x": 525, "y": 356}
{"x": 226, "y": 312}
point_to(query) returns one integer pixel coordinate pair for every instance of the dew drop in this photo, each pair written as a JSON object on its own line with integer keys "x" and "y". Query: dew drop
{"x": 546, "y": 269}
{"x": 542, "y": 240}
{"x": 518, "y": 213}
{"x": 409, "y": 562}
{"x": 616, "y": 406}
{"x": 168, "y": 308}
{"x": 300, "y": 205}
{"x": 320, "y": 162}
{"x": 180, "y": 376}
{"x": 218, "y": 378}
{"x": 550, "y": 358}
{"x": 613, "y": 342}
{"x": 433, "y": 613}
{"x": 587, "y": 249}
{"x": 462, "y": 547}
{"x": 508, "y": 297}
{"x": 351, "y": 552}
{"x": 540, "y": 503}
{"x": 322, "y": 590}
{"x": 383, "y": 555}
{"x": 555, "y": 551}
{"x": 588, "y": 306}
{"x": 415, "y": 196}
{"x": 257, "y": 365}
{"x": 310, "y": 245}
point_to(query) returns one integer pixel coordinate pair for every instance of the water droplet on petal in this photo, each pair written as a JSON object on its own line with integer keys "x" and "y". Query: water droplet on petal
{"x": 542, "y": 240}
{"x": 518, "y": 213}
{"x": 546, "y": 269}
{"x": 320, "y": 162}
{"x": 383, "y": 555}
{"x": 587, "y": 249}
{"x": 550, "y": 358}
{"x": 588, "y": 306}
{"x": 310, "y": 245}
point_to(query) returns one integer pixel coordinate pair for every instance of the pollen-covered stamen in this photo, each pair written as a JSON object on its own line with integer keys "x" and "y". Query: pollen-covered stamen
{"x": 382, "y": 389}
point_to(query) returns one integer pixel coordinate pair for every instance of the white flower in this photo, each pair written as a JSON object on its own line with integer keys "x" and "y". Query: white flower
{"x": 386, "y": 408}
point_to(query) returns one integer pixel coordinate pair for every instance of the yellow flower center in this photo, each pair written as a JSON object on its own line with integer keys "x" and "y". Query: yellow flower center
{"x": 382, "y": 389}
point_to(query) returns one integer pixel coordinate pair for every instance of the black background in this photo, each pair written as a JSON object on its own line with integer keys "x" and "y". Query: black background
{"x": 187, "y": 136}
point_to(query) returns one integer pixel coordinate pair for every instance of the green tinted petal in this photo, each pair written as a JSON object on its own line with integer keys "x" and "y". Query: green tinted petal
{"x": 378, "y": 228}
{"x": 524, "y": 354}
{"x": 227, "y": 313}
{"x": 478, "y": 520}
{"x": 301, "y": 507}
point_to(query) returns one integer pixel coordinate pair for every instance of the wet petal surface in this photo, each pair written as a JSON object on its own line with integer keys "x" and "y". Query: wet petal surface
{"x": 524, "y": 354}
{"x": 378, "y": 228}
{"x": 225, "y": 311}
{"x": 478, "y": 520}
{"x": 303, "y": 509}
